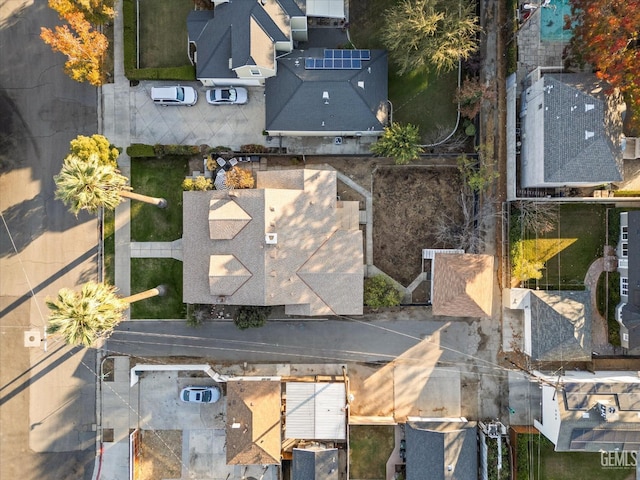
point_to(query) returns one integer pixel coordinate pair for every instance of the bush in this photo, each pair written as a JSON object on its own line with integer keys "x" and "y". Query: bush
{"x": 251, "y": 317}
{"x": 626, "y": 193}
{"x": 380, "y": 291}
{"x": 239, "y": 178}
{"x": 198, "y": 184}
{"x": 140, "y": 150}
{"x": 253, "y": 148}
{"x": 179, "y": 150}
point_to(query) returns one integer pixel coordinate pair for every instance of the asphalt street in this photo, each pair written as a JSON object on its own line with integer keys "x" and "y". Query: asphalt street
{"x": 47, "y": 398}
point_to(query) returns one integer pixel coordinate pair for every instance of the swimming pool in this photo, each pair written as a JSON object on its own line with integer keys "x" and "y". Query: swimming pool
{"x": 552, "y": 21}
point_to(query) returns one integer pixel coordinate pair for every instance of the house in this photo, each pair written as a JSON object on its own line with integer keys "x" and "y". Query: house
{"x": 557, "y": 324}
{"x": 462, "y": 285}
{"x": 253, "y": 422}
{"x": 571, "y": 132}
{"x": 287, "y": 242}
{"x": 328, "y": 92}
{"x": 445, "y": 449}
{"x": 315, "y": 463}
{"x": 590, "y": 411}
{"x": 628, "y": 251}
{"x": 237, "y": 42}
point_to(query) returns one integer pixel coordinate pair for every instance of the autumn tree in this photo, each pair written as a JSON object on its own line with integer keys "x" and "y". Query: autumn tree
{"x": 95, "y": 11}
{"x": 83, "y": 46}
{"x": 400, "y": 142}
{"x": 83, "y": 147}
{"x": 607, "y": 36}
{"x": 239, "y": 178}
{"x": 433, "y": 34}
{"x": 470, "y": 95}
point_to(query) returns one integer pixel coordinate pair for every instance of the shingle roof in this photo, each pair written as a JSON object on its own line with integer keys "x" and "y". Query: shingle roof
{"x": 236, "y": 30}
{"x": 253, "y": 423}
{"x": 631, "y": 311}
{"x": 315, "y": 464}
{"x": 315, "y": 268}
{"x": 463, "y": 285}
{"x": 560, "y": 325}
{"x": 446, "y": 450}
{"x": 357, "y": 98}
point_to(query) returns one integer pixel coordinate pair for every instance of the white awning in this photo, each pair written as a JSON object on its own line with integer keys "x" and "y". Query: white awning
{"x": 325, "y": 8}
{"x": 316, "y": 411}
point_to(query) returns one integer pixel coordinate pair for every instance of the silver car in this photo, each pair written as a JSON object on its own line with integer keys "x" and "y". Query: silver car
{"x": 177, "y": 95}
{"x": 200, "y": 394}
{"x": 227, "y": 96}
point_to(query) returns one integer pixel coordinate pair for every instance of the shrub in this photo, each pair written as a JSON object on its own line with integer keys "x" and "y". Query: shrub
{"x": 400, "y": 142}
{"x": 239, "y": 178}
{"x": 198, "y": 184}
{"x": 251, "y": 317}
{"x": 626, "y": 193}
{"x": 179, "y": 150}
{"x": 253, "y": 148}
{"x": 140, "y": 150}
{"x": 380, "y": 291}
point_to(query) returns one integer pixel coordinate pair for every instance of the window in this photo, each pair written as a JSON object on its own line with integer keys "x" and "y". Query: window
{"x": 255, "y": 72}
{"x": 625, "y": 233}
{"x": 625, "y": 249}
{"x": 625, "y": 337}
{"x": 624, "y": 286}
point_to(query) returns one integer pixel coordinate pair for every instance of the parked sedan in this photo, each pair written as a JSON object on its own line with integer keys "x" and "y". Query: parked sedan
{"x": 177, "y": 95}
{"x": 200, "y": 394}
{"x": 227, "y": 96}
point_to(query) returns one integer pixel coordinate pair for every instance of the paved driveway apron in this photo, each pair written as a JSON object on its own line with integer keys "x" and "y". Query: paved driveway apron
{"x": 228, "y": 125}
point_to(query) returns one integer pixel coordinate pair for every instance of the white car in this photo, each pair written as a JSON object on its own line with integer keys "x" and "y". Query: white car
{"x": 227, "y": 96}
{"x": 200, "y": 394}
{"x": 176, "y": 95}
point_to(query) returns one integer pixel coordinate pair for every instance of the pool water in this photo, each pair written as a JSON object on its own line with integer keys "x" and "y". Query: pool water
{"x": 552, "y": 21}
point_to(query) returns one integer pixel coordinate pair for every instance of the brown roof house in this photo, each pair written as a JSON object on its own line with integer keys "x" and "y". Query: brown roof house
{"x": 253, "y": 423}
{"x": 462, "y": 285}
{"x": 287, "y": 242}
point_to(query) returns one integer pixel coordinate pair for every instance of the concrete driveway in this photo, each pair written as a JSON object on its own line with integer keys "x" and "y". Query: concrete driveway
{"x": 228, "y": 125}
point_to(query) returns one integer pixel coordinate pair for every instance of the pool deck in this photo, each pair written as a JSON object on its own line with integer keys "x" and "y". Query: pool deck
{"x": 533, "y": 52}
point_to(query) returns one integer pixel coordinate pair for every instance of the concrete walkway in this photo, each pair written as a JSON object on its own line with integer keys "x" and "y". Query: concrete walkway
{"x": 157, "y": 249}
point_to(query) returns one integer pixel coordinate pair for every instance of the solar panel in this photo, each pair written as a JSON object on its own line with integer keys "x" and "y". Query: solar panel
{"x": 333, "y": 63}
{"x": 344, "y": 53}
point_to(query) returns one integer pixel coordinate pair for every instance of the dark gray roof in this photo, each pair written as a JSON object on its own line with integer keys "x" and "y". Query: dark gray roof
{"x": 575, "y": 104}
{"x": 434, "y": 446}
{"x": 294, "y": 98}
{"x": 560, "y": 325}
{"x": 224, "y": 33}
{"x": 631, "y": 311}
{"x": 315, "y": 464}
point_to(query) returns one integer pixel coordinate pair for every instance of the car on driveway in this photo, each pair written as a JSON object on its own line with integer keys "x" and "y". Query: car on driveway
{"x": 174, "y": 95}
{"x": 227, "y": 96}
{"x": 200, "y": 394}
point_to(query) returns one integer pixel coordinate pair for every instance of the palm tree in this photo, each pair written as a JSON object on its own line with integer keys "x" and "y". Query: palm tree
{"x": 86, "y": 184}
{"x": 93, "y": 312}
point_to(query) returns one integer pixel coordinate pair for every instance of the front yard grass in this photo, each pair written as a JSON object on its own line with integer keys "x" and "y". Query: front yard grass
{"x": 157, "y": 178}
{"x": 421, "y": 98}
{"x": 370, "y": 448}
{"x": 569, "y": 249}
{"x": 148, "y": 273}
{"x": 163, "y": 33}
{"x": 109, "y": 245}
{"x": 536, "y": 458}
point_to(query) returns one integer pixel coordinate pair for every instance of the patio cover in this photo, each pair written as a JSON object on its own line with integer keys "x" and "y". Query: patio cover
{"x": 325, "y": 8}
{"x": 316, "y": 411}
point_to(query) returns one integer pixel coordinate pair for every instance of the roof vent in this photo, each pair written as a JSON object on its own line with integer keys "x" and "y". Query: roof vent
{"x": 325, "y": 97}
{"x": 589, "y": 106}
{"x": 271, "y": 238}
{"x": 361, "y": 84}
{"x": 588, "y": 134}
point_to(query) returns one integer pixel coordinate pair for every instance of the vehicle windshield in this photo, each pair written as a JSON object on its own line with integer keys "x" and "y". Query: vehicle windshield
{"x": 181, "y": 94}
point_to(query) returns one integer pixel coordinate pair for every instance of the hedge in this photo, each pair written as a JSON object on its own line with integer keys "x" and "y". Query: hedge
{"x": 140, "y": 150}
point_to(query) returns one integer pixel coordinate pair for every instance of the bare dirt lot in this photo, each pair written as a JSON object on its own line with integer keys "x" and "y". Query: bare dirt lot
{"x": 160, "y": 455}
{"x": 405, "y": 202}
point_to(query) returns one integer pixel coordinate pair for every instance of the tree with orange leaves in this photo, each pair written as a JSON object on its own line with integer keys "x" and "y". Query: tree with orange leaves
{"x": 606, "y": 36}
{"x": 83, "y": 46}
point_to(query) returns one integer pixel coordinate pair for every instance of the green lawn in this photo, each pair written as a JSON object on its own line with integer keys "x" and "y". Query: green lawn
{"x": 163, "y": 33}
{"x": 149, "y": 273}
{"x": 570, "y": 248}
{"x": 608, "y": 297}
{"x": 424, "y": 99}
{"x": 370, "y": 448}
{"x": 108, "y": 225}
{"x": 158, "y": 178}
{"x": 537, "y": 459}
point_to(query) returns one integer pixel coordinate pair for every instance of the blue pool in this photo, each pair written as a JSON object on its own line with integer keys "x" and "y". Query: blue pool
{"x": 552, "y": 21}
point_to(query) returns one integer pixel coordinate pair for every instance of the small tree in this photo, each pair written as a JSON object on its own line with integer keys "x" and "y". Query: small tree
{"x": 380, "y": 291}
{"x": 470, "y": 95}
{"x": 400, "y": 142}
{"x": 83, "y": 147}
{"x": 83, "y": 46}
{"x": 537, "y": 217}
{"x": 430, "y": 33}
{"x": 476, "y": 173}
{"x": 239, "y": 178}
{"x": 251, "y": 317}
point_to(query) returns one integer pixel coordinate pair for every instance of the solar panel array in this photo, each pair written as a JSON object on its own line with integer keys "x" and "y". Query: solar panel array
{"x": 336, "y": 59}
{"x": 626, "y": 439}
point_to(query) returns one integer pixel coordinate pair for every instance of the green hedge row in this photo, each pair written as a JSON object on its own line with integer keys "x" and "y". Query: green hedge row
{"x": 140, "y": 150}
{"x": 185, "y": 73}
{"x": 626, "y": 193}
